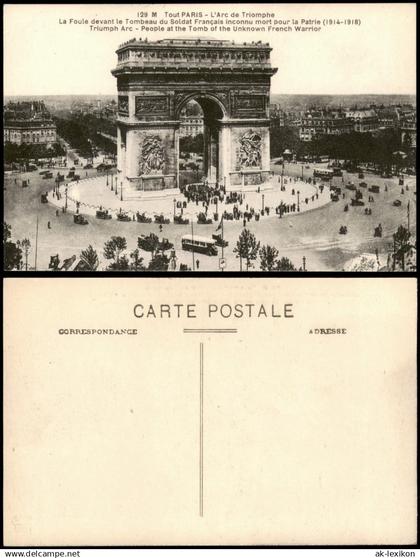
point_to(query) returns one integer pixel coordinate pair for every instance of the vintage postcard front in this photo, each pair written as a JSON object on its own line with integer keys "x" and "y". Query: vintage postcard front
{"x": 209, "y": 138}
{"x": 210, "y": 412}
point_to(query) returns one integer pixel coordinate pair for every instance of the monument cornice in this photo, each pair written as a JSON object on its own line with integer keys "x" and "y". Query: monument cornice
{"x": 246, "y": 121}
{"x": 188, "y": 45}
{"x": 149, "y": 123}
{"x": 192, "y": 71}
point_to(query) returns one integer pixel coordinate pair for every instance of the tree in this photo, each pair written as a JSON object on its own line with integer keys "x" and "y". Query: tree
{"x": 7, "y": 232}
{"x": 281, "y": 138}
{"x": 407, "y": 142}
{"x": 113, "y": 249}
{"x": 247, "y": 248}
{"x": 268, "y": 255}
{"x": 284, "y": 264}
{"x": 402, "y": 246}
{"x": 136, "y": 261}
{"x": 89, "y": 260}
{"x": 12, "y": 258}
{"x": 159, "y": 262}
{"x": 192, "y": 144}
{"x": 122, "y": 264}
{"x": 152, "y": 243}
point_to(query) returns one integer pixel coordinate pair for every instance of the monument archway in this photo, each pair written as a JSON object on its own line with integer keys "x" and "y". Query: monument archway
{"x": 230, "y": 82}
{"x": 213, "y": 114}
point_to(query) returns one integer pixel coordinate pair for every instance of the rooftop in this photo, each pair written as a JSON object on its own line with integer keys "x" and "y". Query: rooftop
{"x": 192, "y": 42}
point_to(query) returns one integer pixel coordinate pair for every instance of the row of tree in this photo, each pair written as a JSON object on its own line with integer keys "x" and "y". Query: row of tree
{"x": 247, "y": 249}
{"x": 377, "y": 149}
{"x": 115, "y": 252}
{"x": 81, "y": 132}
{"x": 14, "y": 153}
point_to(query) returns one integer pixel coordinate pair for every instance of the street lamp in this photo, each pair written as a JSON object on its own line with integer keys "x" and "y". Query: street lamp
{"x": 91, "y": 149}
{"x": 25, "y": 245}
{"x": 174, "y": 208}
{"x": 121, "y": 191}
{"x": 107, "y": 173}
{"x": 18, "y": 245}
{"x": 298, "y": 206}
{"x": 65, "y": 206}
{"x": 302, "y": 172}
{"x": 116, "y": 186}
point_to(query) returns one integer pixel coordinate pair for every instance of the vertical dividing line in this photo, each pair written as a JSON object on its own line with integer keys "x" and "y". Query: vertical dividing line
{"x": 201, "y": 427}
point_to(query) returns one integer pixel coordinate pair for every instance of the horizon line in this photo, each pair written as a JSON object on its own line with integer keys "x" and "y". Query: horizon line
{"x": 271, "y": 93}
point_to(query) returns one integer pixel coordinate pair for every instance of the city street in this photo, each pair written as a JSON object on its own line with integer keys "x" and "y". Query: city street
{"x": 313, "y": 233}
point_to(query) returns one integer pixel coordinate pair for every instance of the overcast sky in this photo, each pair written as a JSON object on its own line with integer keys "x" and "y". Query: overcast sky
{"x": 44, "y": 57}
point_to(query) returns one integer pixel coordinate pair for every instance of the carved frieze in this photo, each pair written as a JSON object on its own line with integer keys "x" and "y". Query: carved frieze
{"x": 249, "y": 105}
{"x": 152, "y": 105}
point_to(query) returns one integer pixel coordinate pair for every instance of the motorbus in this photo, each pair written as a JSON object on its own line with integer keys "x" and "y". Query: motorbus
{"x": 200, "y": 244}
{"x": 326, "y": 174}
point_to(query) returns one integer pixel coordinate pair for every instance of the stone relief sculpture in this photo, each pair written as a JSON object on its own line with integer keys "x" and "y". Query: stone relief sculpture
{"x": 151, "y": 104}
{"x": 152, "y": 158}
{"x": 123, "y": 104}
{"x": 250, "y": 149}
{"x": 250, "y": 102}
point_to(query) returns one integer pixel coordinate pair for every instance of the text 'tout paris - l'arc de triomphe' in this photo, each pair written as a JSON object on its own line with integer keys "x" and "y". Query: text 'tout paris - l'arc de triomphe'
{"x": 231, "y": 83}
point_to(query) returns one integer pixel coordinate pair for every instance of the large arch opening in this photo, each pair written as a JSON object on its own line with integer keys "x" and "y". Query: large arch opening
{"x": 191, "y": 144}
{"x": 199, "y": 140}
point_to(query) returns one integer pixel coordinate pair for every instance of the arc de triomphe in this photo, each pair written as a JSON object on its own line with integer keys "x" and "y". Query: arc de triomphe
{"x": 231, "y": 83}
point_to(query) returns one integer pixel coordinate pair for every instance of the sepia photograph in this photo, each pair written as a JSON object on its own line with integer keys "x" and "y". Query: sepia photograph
{"x": 277, "y": 137}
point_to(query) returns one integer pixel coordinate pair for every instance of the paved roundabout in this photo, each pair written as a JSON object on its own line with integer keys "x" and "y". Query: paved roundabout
{"x": 312, "y": 233}
{"x": 101, "y": 193}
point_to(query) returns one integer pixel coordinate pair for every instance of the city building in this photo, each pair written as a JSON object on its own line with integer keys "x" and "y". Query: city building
{"x": 191, "y": 126}
{"x": 98, "y": 108}
{"x": 364, "y": 120}
{"x": 281, "y": 118}
{"x": 28, "y": 123}
{"x": 388, "y": 117}
{"x": 323, "y": 122}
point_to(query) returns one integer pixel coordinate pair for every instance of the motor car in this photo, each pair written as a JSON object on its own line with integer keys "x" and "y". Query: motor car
{"x": 103, "y": 214}
{"x": 122, "y": 216}
{"x": 80, "y": 220}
